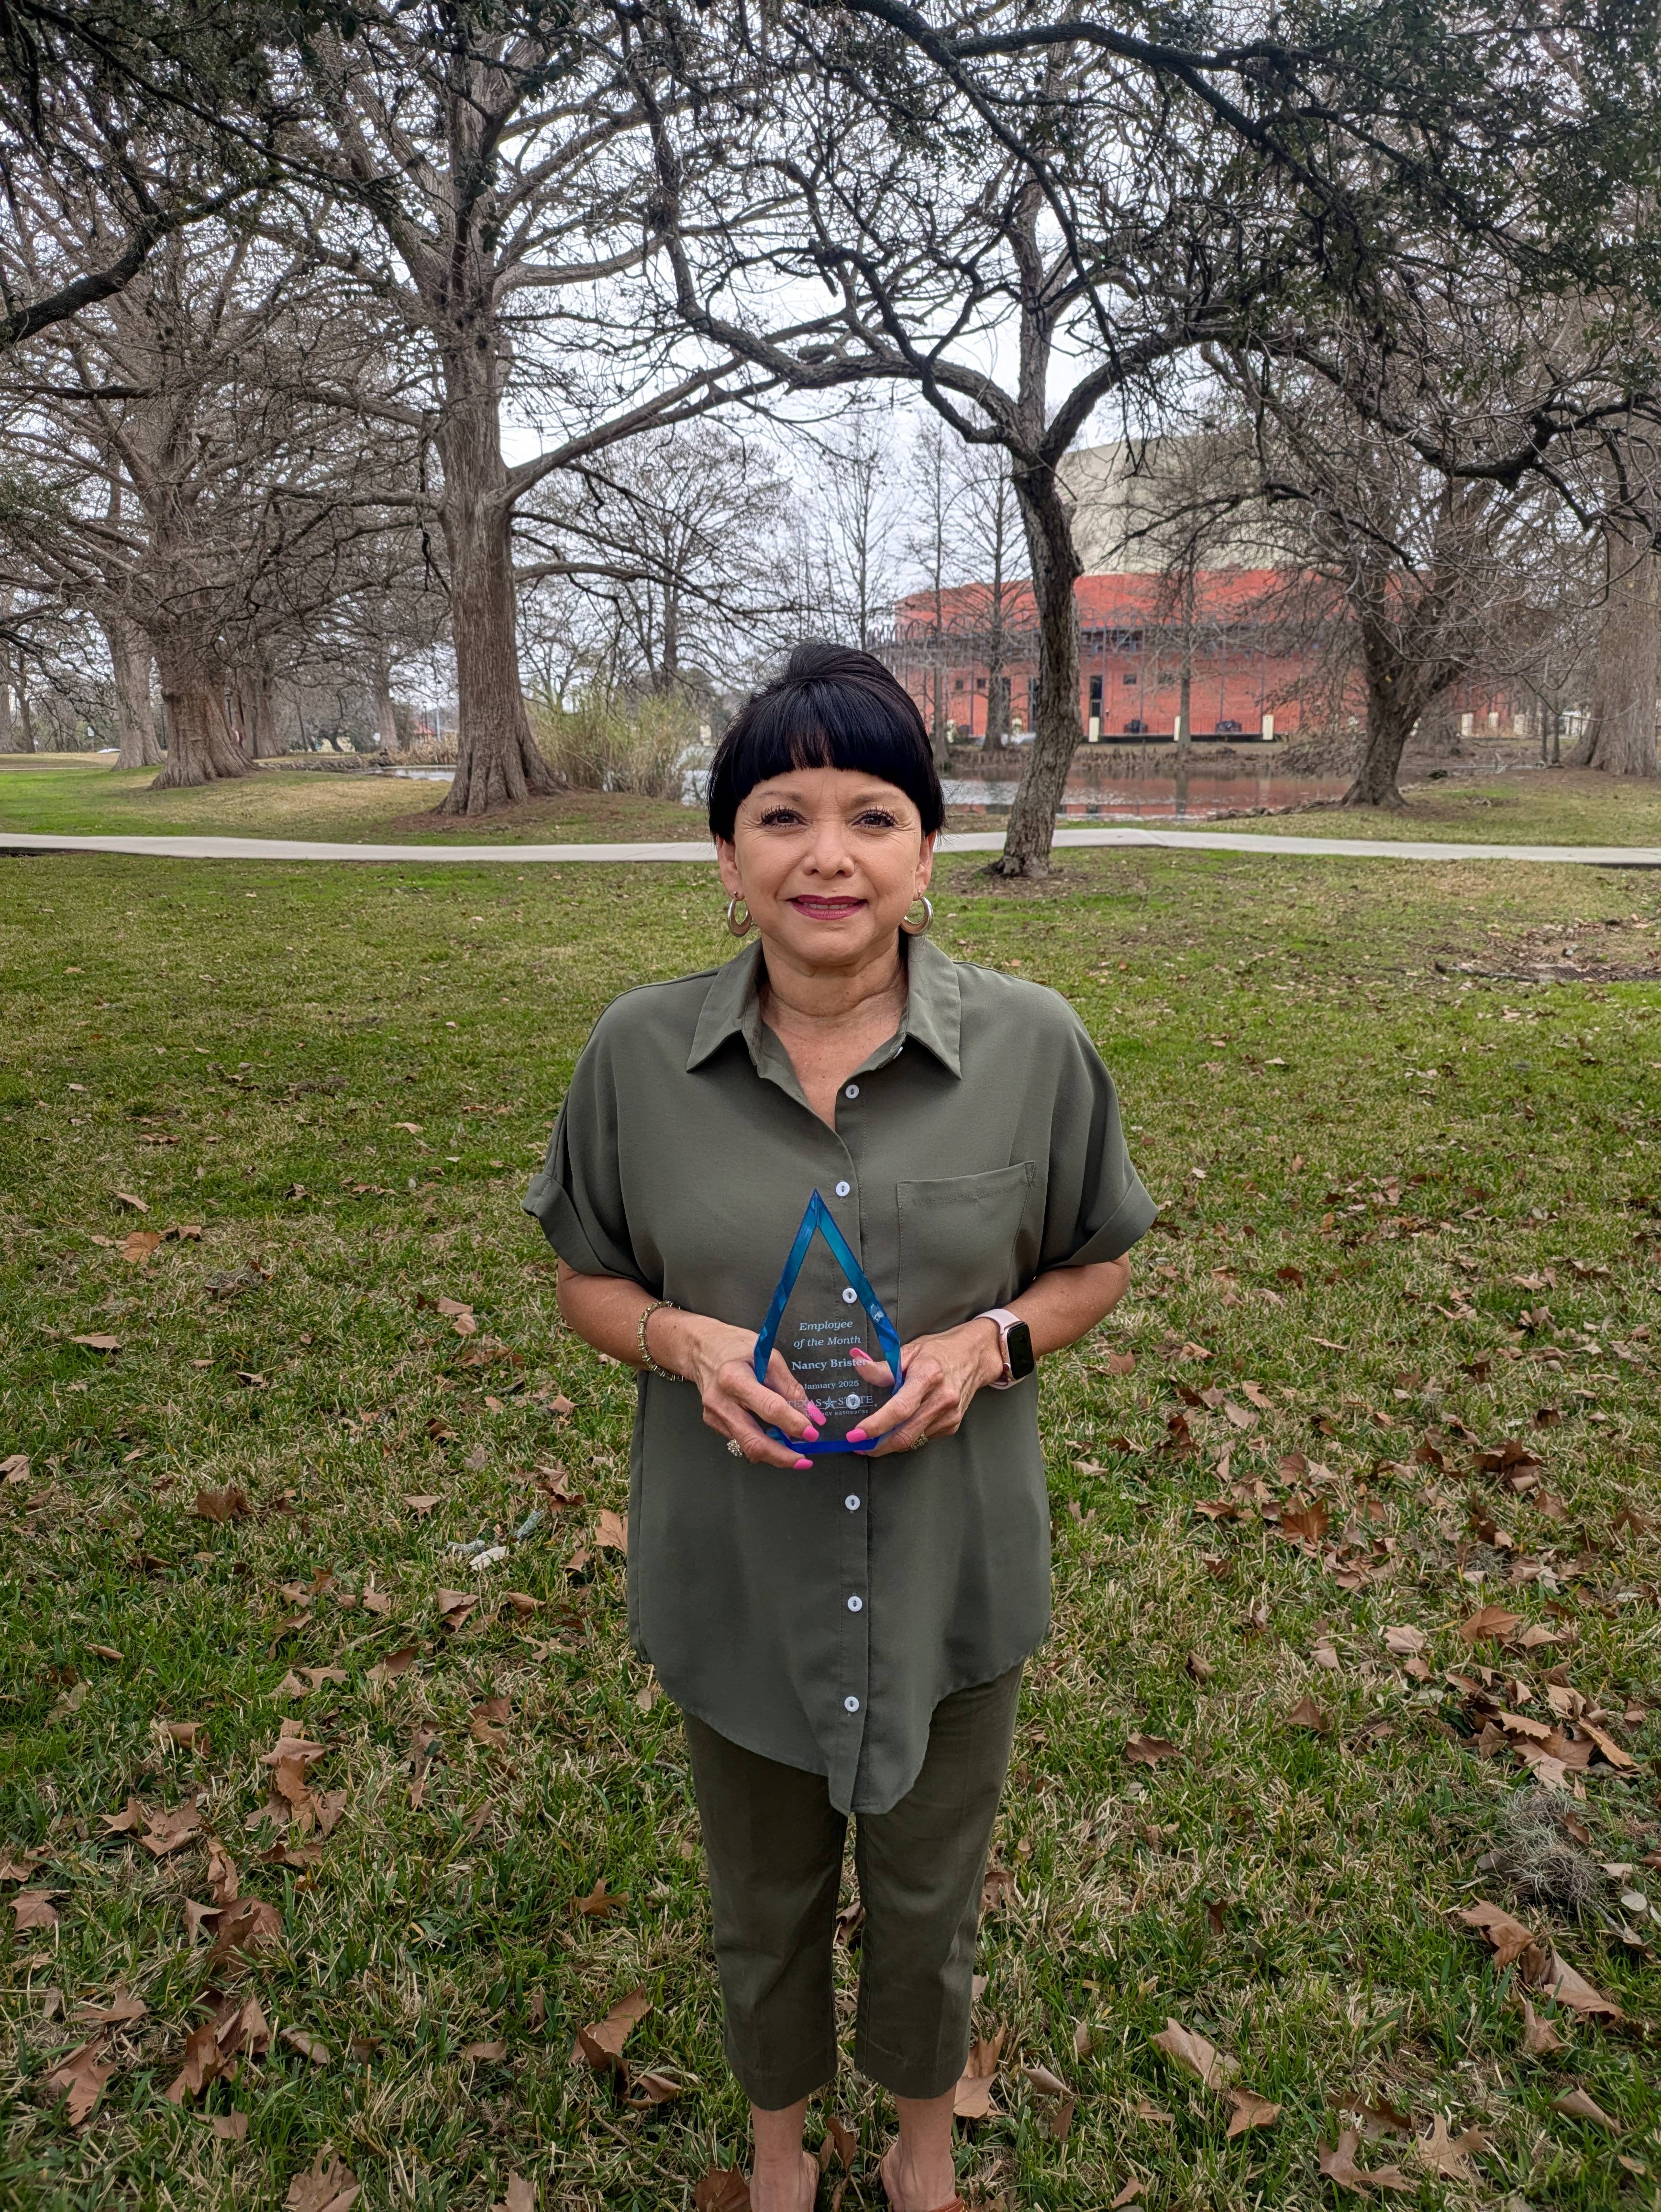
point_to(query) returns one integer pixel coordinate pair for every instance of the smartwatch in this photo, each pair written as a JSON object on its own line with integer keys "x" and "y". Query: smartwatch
{"x": 1015, "y": 1341}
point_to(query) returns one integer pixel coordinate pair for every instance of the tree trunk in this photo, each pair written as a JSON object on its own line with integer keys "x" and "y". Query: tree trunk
{"x": 1393, "y": 707}
{"x": 257, "y": 693}
{"x": 1057, "y": 731}
{"x": 386, "y": 719}
{"x": 200, "y": 746}
{"x": 5, "y": 704}
{"x": 1626, "y": 691}
{"x": 497, "y": 763}
{"x": 135, "y": 714}
{"x": 24, "y": 714}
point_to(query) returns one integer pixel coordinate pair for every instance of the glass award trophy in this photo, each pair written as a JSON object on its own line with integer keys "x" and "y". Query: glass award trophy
{"x": 823, "y": 1306}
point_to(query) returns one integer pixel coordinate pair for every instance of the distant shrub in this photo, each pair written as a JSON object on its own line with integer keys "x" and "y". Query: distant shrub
{"x": 618, "y": 742}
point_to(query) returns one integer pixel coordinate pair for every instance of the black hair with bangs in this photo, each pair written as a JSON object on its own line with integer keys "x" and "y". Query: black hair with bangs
{"x": 832, "y": 708}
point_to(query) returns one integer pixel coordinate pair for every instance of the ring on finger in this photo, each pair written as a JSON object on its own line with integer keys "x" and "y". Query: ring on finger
{"x": 918, "y": 1442}
{"x": 735, "y": 1447}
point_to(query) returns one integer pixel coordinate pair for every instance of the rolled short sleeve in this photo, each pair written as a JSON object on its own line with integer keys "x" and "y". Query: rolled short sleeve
{"x": 578, "y": 1196}
{"x": 1096, "y": 1207}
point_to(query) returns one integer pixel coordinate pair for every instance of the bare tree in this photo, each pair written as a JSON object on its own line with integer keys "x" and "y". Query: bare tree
{"x": 945, "y": 194}
{"x": 490, "y": 150}
{"x": 935, "y": 486}
{"x": 990, "y": 546}
{"x": 673, "y": 539}
{"x": 1626, "y": 694}
{"x": 184, "y": 479}
{"x": 857, "y": 524}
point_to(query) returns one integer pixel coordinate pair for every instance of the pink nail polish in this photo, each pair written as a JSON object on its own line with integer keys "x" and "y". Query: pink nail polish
{"x": 856, "y": 1436}
{"x": 805, "y": 1465}
{"x": 816, "y": 1412}
{"x": 811, "y": 1437}
{"x": 858, "y": 1351}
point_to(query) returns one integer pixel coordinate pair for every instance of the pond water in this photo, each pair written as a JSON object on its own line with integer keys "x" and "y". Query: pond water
{"x": 1094, "y": 796}
{"x": 1093, "y": 793}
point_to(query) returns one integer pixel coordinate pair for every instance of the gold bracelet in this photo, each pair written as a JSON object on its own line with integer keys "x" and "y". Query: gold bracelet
{"x": 645, "y": 1359}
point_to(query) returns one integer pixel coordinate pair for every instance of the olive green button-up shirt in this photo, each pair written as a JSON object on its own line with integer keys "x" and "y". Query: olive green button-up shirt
{"x": 818, "y": 1617}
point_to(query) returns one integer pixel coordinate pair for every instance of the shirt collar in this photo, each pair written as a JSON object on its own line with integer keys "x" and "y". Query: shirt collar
{"x": 933, "y": 1015}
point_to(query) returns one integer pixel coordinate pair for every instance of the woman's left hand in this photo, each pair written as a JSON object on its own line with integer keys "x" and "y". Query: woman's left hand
{"x": 941, "y": 1374}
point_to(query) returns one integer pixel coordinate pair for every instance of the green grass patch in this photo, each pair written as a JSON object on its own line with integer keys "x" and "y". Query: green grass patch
{"x": 1521, "y": 806}
{"x": 1413, "y": 1205}
{"x": 65, "y": 798}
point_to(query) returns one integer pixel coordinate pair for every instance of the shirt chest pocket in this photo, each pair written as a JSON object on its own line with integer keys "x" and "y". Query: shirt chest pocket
{"x": 966, "y": 1243}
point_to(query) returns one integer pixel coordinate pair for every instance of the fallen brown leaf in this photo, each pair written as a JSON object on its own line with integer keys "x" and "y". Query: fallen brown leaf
{"x": 1149, "y": 1750}
{"x": 484, "y": 2054}
{"x": 1061, "y": 2101}
{"x": 1491, "y": 1621}
{"x": 722, "y": 2188}
{"x": 454, "y": 1606}
{"x": 612, "y": 1531}
{"x": 246, "y": 1927}
{"x": 229, "y": 2127}
{"x": 1307, "y": 1714}
{"x": 33, "y": 1908}
{"x": 648, "y": 2089}
{"x": 138, "y": 1244}
{"x": 1543, "y": 1970}
{"x": 1191, "y": 2049}
{"x": 1128, "y": 2194}
{"x": 839, "y": 2141}
{"x": 308, "y": 2046}
{"x": 1338, "y": 2164}
{"x": 329, "y": 2186}
{"x": 601, "y": 2042}
{"x": 230, "y": 1504}
{"x": 1508, "y": 1938}
{"x": 80, "y": 2079}
{"x": 1449, "y": 2155}
{"x": 1540, "y": 2037}
{"x": 601, "y": 1902}
{"x": 98, "y": 1341}
{"x": 121, "y": 2010}
{"x": 421, "y": 1501}
{"x": 1577, "y": 2105}
{"x": 1306, "y": 1522}
{"x": 1248, "y": 2110}
{"x": 973, "y": 2098}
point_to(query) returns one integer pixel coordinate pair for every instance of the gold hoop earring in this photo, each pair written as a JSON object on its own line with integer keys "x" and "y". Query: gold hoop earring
{"x": 917, "y": 928}
{"x": 738, "y": 928}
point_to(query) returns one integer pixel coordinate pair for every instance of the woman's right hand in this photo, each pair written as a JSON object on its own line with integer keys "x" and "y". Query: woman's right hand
{"x": 719, "y": 1361}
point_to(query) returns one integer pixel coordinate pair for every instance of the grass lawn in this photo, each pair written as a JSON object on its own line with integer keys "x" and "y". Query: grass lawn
{"x": 1389, "y": 1362}
{"x": 1528, "y": 806}
{"x": 64, "y": 798}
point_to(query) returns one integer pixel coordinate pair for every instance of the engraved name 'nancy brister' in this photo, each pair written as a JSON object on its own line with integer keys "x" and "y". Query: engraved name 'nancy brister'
{"x": 824, "y": 1306}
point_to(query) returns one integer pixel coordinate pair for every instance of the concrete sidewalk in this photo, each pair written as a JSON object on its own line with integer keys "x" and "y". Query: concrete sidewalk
{"x": 520, "y": 856}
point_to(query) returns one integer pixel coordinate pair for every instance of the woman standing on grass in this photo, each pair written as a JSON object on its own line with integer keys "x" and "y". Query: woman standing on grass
{"x": 843, "y": 1630}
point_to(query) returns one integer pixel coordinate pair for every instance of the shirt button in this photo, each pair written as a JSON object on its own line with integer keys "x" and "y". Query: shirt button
{"x": 852, "y": 1501}
{"x": 856, "y": 1605}
{"x": 850, "y": 1296}
{"x": 842, "y": 1190}
{"x": 850, "y": 1704}
{"x": 852, "y": 1092}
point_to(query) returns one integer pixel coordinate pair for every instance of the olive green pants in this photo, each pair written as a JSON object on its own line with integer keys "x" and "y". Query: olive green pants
{"x": 775, "y": 1844}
